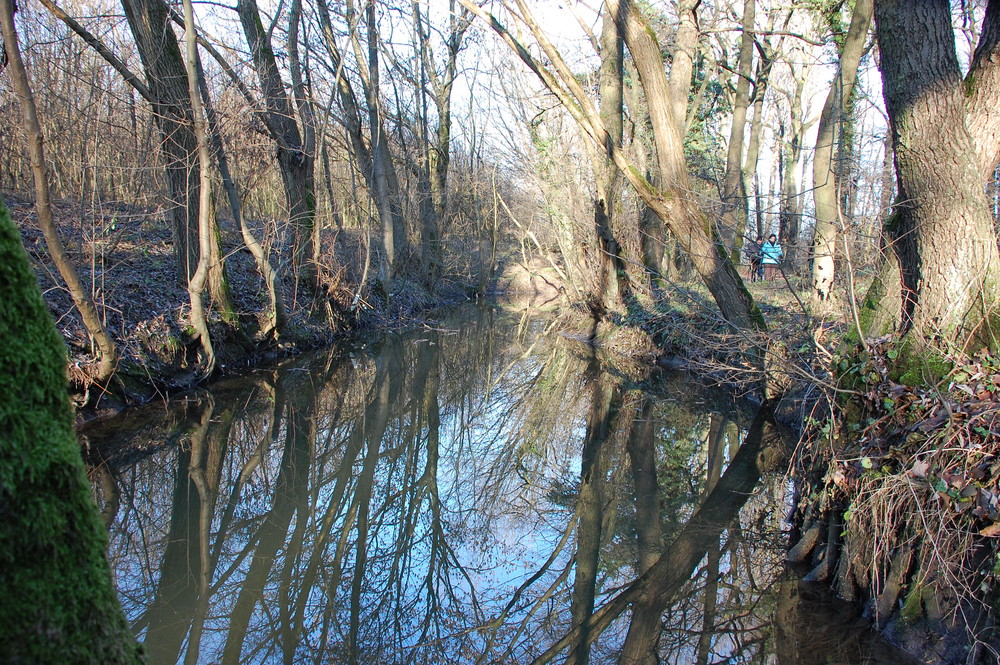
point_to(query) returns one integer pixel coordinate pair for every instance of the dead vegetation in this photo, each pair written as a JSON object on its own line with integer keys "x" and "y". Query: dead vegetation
{"x": 899, "y": 499}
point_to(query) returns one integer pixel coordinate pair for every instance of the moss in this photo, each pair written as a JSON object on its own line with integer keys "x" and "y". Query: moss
{"x": 969, "y": 84}
{"x": 913, "y": 605}
{"x": 58, "y": 604}
{"x": 919, "y": 364}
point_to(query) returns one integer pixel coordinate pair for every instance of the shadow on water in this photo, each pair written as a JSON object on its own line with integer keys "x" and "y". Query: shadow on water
{"x": 475, "y": 492}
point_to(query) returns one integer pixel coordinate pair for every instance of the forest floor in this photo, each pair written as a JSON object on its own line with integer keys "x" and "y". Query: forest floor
{"x": 126, "y": 254}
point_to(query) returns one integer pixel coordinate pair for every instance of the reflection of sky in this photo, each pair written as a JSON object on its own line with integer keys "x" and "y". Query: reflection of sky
{"x": 506, "y": 478}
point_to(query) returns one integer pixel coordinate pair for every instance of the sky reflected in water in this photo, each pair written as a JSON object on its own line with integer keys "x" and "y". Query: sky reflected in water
{"x": 479, "y": 491}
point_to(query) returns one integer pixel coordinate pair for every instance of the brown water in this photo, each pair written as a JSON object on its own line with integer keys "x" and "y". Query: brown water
{"x": 474, "y": 492}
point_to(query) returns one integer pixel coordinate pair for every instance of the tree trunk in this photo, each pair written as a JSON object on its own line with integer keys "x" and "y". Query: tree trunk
{"x": 295, "y": 161}
{"x": 825, "y": 185}
{"x": 943, "y": 130}
{"x": 196, "y": 285}
{"x": 676, "y": 205}
{"x": 149, "y": 21}
{"x": 107, "y": 353}
{"x": 734, "y": 195}
{"x": 682, "y": 62}
{"x": 59, "y": 603}
{"x": 611, "y": 280}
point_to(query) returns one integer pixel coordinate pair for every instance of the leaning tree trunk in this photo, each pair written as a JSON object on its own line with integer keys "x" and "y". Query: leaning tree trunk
{"x": 825, "y": 185}
{"x": 107, "y": 352}
{"x": 59, "y": 604}
{"x": 677, "y": 206}
{"x": 675, "y": 203}
{"x": 946, "y": 141}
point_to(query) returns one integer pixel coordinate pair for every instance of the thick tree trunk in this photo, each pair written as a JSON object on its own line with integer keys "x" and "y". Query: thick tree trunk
{"x": 942, "y": 232}
{"x": 59, "y": 604}
{"x": 825, "y": 185}
{"x": 150, "y": 23}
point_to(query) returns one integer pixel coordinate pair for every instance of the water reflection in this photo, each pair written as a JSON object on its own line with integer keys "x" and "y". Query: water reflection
{"x": 479, "y": 492}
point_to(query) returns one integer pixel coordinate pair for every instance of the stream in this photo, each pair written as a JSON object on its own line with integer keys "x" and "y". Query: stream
{"x": 479, "y": 490}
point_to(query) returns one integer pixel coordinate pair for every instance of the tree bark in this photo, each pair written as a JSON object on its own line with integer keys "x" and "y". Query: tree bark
{"x": 942, "y": 127}
{"x": 59, "y": 603}
{"x": 825, "y": 184}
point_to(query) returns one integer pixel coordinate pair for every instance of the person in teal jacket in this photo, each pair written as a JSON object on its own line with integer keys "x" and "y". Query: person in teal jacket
{"x": 770, "y": 256}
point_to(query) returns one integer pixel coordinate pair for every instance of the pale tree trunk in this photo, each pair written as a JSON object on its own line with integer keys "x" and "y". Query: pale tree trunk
{"x": 279, "y": 315}
{"x": 149, "y": 21}
{"x": 946, "y": 137}
{"x": 764, "y": 67}
{"x": 383, "y": 180}
{"x": 682, "y": 63}
{"x": 393, "y": 236}
{"x": 734, "y": 198}
{"x": 196, "y": 285}
{"x": 825, "y": 185}
{"x": 359, "y": 146}
{"x": 107, "y": 353}
{"x": 612, "y": 286}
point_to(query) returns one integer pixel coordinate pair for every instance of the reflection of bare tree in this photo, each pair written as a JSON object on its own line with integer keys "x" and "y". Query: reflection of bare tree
{"x": 185, "y": 566}
{"x": 297, "y": 399}
{"x": 461, "y": 495}
{"x": 655, "y": 588}
{"x": 606, "y": 401}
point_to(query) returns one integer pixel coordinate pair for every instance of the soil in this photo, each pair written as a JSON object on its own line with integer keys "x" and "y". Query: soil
{"x": 126, "y": 254}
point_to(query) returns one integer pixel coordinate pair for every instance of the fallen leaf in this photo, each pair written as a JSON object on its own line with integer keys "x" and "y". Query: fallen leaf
{"x": 992, "y": 531}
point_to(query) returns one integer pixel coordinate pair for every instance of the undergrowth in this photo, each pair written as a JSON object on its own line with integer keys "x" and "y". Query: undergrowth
{"x": 916, "y": 472}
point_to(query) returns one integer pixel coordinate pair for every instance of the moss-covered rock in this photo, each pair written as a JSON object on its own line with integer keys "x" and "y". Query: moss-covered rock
{"x": 58, "y": 603}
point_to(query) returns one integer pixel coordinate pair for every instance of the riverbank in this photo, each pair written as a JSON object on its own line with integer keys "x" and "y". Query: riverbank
{"x": 125, "y": 253}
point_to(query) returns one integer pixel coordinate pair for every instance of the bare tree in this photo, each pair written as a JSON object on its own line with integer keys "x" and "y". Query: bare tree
{"x": 825, "y": 181}
{"x": 107, "y": 353}
{"x": 674, "y": 202}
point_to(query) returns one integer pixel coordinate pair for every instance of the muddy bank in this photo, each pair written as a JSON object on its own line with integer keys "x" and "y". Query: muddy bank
{"x": 126, "y": 254}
